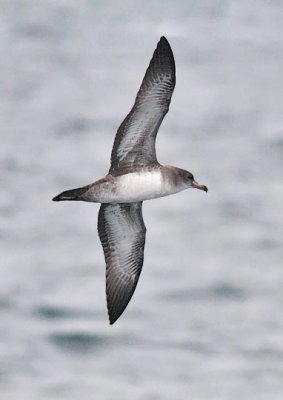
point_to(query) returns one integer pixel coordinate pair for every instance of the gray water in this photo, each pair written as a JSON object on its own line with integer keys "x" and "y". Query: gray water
{"x": 206, "y": 319}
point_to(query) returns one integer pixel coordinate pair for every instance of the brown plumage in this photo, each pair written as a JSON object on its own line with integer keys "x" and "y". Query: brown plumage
{"x": 134, "y": 176}
{"x": 122, "y": 234}
{"x": 134, "y": 143}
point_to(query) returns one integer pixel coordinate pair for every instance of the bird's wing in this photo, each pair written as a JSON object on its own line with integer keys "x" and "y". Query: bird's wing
{"x": 122, "y": 234}
{"x": 134, "y": 143}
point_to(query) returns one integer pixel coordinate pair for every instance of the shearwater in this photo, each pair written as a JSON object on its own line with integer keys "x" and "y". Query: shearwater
{"x": 135, "y": 175}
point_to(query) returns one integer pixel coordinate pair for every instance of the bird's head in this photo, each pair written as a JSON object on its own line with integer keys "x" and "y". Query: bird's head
{"x": 189, "y": 181}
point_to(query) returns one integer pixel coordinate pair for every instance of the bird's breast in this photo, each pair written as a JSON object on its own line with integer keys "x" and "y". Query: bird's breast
{"x": 139, "y": 186}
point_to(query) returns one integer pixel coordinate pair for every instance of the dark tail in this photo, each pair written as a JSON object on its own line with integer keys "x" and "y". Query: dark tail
{"x": 74, "y": 194}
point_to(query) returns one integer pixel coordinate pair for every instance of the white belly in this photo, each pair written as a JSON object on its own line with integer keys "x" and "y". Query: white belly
{"x": 139, "y": 186}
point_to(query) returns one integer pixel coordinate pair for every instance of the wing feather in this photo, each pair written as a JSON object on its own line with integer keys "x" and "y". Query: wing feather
{"x": 122, "y": 234}
{"x": 134, "y": 143}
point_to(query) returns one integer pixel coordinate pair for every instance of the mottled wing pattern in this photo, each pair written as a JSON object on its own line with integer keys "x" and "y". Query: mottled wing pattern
{"x": 134, "y": 143}
{"x": 122, "y": 234}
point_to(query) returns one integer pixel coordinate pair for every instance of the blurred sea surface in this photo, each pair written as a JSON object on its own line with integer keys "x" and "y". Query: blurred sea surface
{"x": 206, "y": 319}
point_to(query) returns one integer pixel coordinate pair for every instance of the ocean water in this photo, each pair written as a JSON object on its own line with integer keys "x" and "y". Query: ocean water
{"x": 206, "y": 319}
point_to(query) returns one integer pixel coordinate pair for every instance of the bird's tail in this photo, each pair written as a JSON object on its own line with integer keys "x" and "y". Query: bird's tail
{"x": 74, "y": 194}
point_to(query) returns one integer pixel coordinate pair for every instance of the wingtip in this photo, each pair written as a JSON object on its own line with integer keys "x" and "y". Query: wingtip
{"x": 114, "y": 316}
{"x": 164, "y": 45}
{"x": 164, "y": 40}
{"x": 112, "y": 320}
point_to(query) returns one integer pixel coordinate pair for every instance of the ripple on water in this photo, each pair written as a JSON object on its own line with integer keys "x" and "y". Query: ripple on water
{"x": 217, "y": 292}
{"x": 77, "y": 125}
{"x": 54, "y": 312}
{"x": 78, "y": 342}
{"x": 5, "y": 303}
{"x": 228, "y": 291}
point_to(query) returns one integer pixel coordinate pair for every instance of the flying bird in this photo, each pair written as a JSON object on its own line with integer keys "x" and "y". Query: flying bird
{"x": 135, "y": 175}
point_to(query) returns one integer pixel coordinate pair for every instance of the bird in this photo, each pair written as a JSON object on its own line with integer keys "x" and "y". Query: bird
{"x": 134, "y": 176}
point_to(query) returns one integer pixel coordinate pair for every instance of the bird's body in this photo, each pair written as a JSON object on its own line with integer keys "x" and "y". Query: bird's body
{"x": 142, "y": 184}
{"x": 135, "y": 175}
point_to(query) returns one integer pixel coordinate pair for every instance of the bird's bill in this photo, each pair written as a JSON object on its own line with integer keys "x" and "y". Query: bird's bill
{"x": 198, "y": 186}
